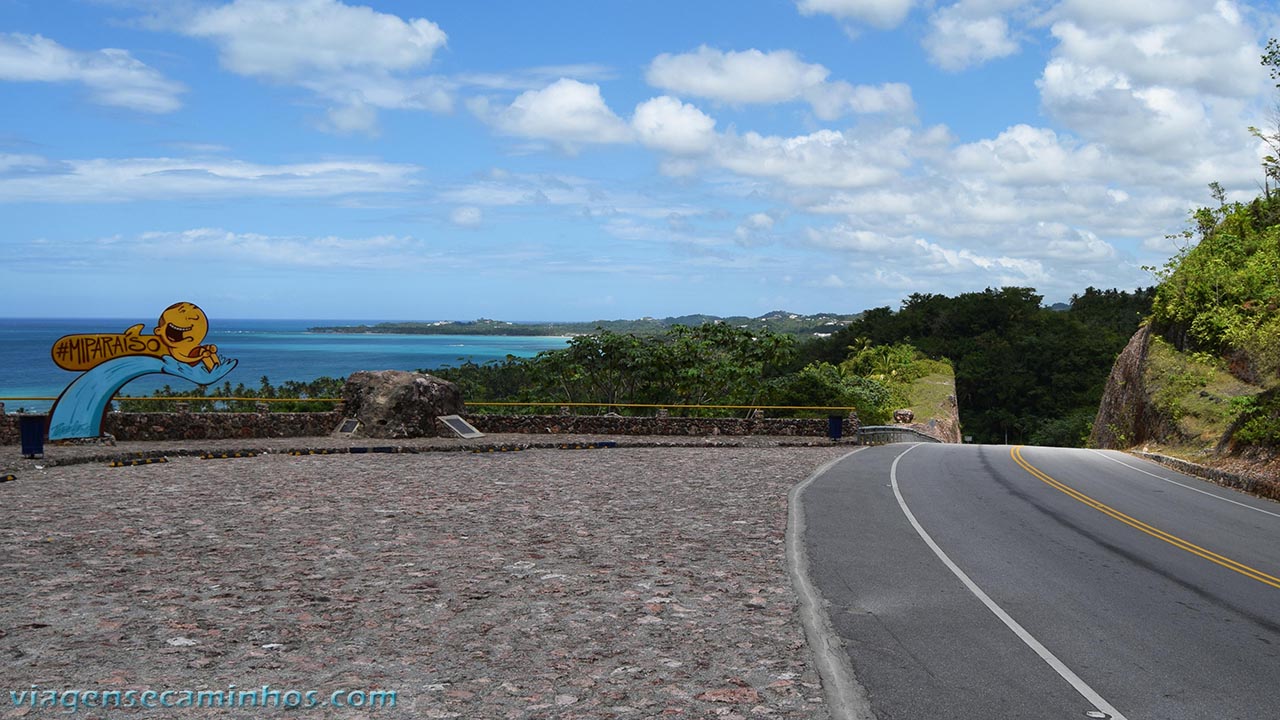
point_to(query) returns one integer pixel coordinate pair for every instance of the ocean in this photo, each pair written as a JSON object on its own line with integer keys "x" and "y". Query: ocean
{"x": 277, "y": 349}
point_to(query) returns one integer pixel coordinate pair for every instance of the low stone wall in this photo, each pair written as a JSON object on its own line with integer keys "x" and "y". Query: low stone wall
{"x": 200, "y": 426}
{"x": 9, "y": 430}
{"x": 223, "y": 425}
{"x": 1260, "y": 486}
{"x": 218, "y": 425}
{"x": 614, "y": 425}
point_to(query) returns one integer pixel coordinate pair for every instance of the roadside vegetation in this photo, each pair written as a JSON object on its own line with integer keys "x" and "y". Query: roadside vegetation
{"x": 1214, "y": 363}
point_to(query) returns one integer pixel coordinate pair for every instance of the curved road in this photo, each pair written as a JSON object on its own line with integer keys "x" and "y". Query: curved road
{"x": 1002, "y": 582}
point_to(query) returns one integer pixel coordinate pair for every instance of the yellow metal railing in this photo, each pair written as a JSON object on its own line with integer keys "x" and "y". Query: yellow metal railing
{"x": 669, "y": 406}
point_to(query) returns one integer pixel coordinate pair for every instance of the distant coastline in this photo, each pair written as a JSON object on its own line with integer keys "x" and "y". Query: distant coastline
{"x": 778, "y": 321}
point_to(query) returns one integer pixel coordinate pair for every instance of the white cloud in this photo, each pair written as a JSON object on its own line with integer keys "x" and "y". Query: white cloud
{"x": 1074, "y": 245}
{"x": 567, "y": 112}
{"x": 755, "y": 229}
{"x": 1149, "y": 82}
{"x": 1210, "y": 51}
{"x": 1127, "y": 14}
{"x": 879, "y": 13}
{"x": 27, "y": 178}
{"x": 287, "y": 40}
{"x": 466, "y": 216}
{"x": 356, "y": 117}
{"x": 967, "y": 34}
{"x": 846, "y": 238}
{"x": 112, "y": 77}
{"x": 755, "y": 77}
{"x": 744, "y": 77}
{"x": 667, "y": 124}
{"x": 1027, "y": 155}
{"x": 1002, "y": 270}
{"x": 893, "y": 256}
{"x": 832, "y": 100}
{"x": 533, "y": 78}
{"x": 378, "y": 252}
{"x": 826, "y": 158}
{"x": 353, "y": 56}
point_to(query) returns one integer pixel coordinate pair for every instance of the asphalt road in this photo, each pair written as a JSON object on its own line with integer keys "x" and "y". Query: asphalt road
{"x": 999, "y": 582}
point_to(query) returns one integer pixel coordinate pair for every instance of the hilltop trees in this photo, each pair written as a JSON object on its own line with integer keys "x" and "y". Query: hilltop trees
{"x": 1222, "y": 295}
{"x": 1024, "y": 373}
{"x": 712, "y": 363}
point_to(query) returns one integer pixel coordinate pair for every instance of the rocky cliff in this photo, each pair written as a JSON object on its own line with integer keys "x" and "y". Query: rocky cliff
{"x": 1128, "y": 415}
{"x": 1187, "y": 406}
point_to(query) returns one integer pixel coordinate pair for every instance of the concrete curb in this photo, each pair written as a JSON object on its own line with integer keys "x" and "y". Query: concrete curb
{"x": 846, "y": 698}
{"x": 1258, "y": 487}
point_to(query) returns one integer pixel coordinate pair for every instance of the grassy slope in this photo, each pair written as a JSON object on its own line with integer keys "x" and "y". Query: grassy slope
{"x": 1202, "y": 399}
{"x": 932, "y": 398}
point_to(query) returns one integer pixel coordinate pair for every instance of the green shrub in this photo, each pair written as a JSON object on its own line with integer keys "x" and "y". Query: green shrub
{"x": 1259, "y": 423}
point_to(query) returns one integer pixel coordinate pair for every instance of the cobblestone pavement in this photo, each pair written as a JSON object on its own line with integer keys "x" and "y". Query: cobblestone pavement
{"x": 629, "y": 582}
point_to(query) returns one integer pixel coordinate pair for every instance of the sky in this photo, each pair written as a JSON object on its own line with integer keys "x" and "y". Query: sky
{"x": 568, "y": 160}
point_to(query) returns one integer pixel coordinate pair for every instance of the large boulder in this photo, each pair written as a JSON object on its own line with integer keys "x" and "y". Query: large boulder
{"x": 399, "y": 404}
{"x": 1128, "y": 415}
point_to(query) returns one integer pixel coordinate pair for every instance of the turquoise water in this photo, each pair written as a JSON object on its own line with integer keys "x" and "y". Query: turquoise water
{"x": 278, "y": 349}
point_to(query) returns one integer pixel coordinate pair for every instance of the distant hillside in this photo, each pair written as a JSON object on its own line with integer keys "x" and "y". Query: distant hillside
{"x": 778, "y": 321}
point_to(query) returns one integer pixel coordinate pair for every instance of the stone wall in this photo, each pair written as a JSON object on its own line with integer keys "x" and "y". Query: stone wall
{"x": 1260, "y": 486}
{"x": 220, "y": 425}
{"x": 200, "y": 426}
{"x": 615, "y": 425}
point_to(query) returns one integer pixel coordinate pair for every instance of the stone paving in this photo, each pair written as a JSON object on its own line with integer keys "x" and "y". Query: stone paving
{"x": 624, "y": 582}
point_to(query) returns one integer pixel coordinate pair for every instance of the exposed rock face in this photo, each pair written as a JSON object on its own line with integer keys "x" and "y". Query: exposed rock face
{"x": 399, "y": 404}
{"x": 945, "y": 425}
{"x": 1127, "y": 415}
{"x": 903, "y": 416}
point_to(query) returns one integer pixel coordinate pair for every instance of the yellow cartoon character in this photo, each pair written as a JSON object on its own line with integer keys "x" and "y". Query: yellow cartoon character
{"x": 109, "y": 361}
{"x": 178, "y": 333}
{"x": 182, "y": 326}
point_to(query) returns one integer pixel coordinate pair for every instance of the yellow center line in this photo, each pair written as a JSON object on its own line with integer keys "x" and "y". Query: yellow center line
{"x": 1174, "y": 540}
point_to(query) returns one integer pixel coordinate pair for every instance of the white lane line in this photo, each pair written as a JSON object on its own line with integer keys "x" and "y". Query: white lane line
{"x": 1052, "y": 660}
{"x": 1196, "y": 489}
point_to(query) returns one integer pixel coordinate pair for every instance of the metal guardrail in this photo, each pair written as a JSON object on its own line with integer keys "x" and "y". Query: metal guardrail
{"x": 885, "y": 434}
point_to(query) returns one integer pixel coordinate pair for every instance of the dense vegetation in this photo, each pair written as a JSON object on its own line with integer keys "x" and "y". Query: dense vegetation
{"x": 1024, "y": 373}
{"x": 708, "y": 364}
{"x": 1218, "y": 307}
{"x": 1221, "y": 295}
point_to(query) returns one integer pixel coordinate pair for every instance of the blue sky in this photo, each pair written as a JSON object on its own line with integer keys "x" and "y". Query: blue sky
{"x": 585, "y": 160}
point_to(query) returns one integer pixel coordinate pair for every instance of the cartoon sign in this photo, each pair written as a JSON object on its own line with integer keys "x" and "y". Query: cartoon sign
{"x": 110, "y": 360}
